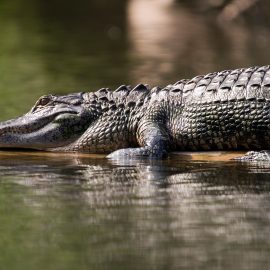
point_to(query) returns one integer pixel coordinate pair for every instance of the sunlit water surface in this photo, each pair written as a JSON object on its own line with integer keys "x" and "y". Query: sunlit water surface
{"x": 74, "y": 212}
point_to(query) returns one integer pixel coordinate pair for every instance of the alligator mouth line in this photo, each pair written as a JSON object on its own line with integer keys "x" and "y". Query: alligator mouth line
{"x": 15, "y": 126}
{"x": 37, "y": 133}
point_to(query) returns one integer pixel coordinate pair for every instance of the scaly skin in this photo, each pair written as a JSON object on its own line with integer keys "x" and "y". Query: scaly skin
{"x": 228, "y": 110}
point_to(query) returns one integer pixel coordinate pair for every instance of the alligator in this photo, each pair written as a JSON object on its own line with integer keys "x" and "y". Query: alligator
{"x": 227, "y": 110}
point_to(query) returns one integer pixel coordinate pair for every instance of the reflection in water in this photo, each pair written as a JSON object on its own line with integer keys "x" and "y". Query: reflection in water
{"x": 90, "y": 212}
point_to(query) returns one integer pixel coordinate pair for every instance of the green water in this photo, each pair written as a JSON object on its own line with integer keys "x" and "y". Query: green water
{"x": 89, "y": 213}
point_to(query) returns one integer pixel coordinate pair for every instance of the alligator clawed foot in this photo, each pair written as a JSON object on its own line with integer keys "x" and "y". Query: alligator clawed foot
{"x": 136, "y": 153}
{"x": 263, "y": 155}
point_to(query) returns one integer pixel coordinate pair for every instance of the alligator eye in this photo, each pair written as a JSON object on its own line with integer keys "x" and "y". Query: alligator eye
{"x": 43, "y": 101}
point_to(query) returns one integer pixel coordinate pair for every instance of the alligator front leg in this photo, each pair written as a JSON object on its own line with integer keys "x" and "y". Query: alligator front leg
{"x": 155, "y": 145}
{"x": 152, "y": 135}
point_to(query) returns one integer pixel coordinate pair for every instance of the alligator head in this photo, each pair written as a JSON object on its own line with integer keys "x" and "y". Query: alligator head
{"x": 54, "y": 121}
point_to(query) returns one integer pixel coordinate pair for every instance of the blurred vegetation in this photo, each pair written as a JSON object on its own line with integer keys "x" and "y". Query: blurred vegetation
{"x": 55, "y": 45}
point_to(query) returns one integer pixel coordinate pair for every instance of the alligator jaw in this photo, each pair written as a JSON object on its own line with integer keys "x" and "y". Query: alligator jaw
{"x": 41, "y": 132}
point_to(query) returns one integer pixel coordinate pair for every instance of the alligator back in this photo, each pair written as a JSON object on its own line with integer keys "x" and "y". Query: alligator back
{"x": 229, "y": 85}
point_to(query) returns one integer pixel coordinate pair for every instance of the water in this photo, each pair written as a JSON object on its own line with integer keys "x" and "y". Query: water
{"x": 86, "y": 212}
{"x": 64, "y": 212}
